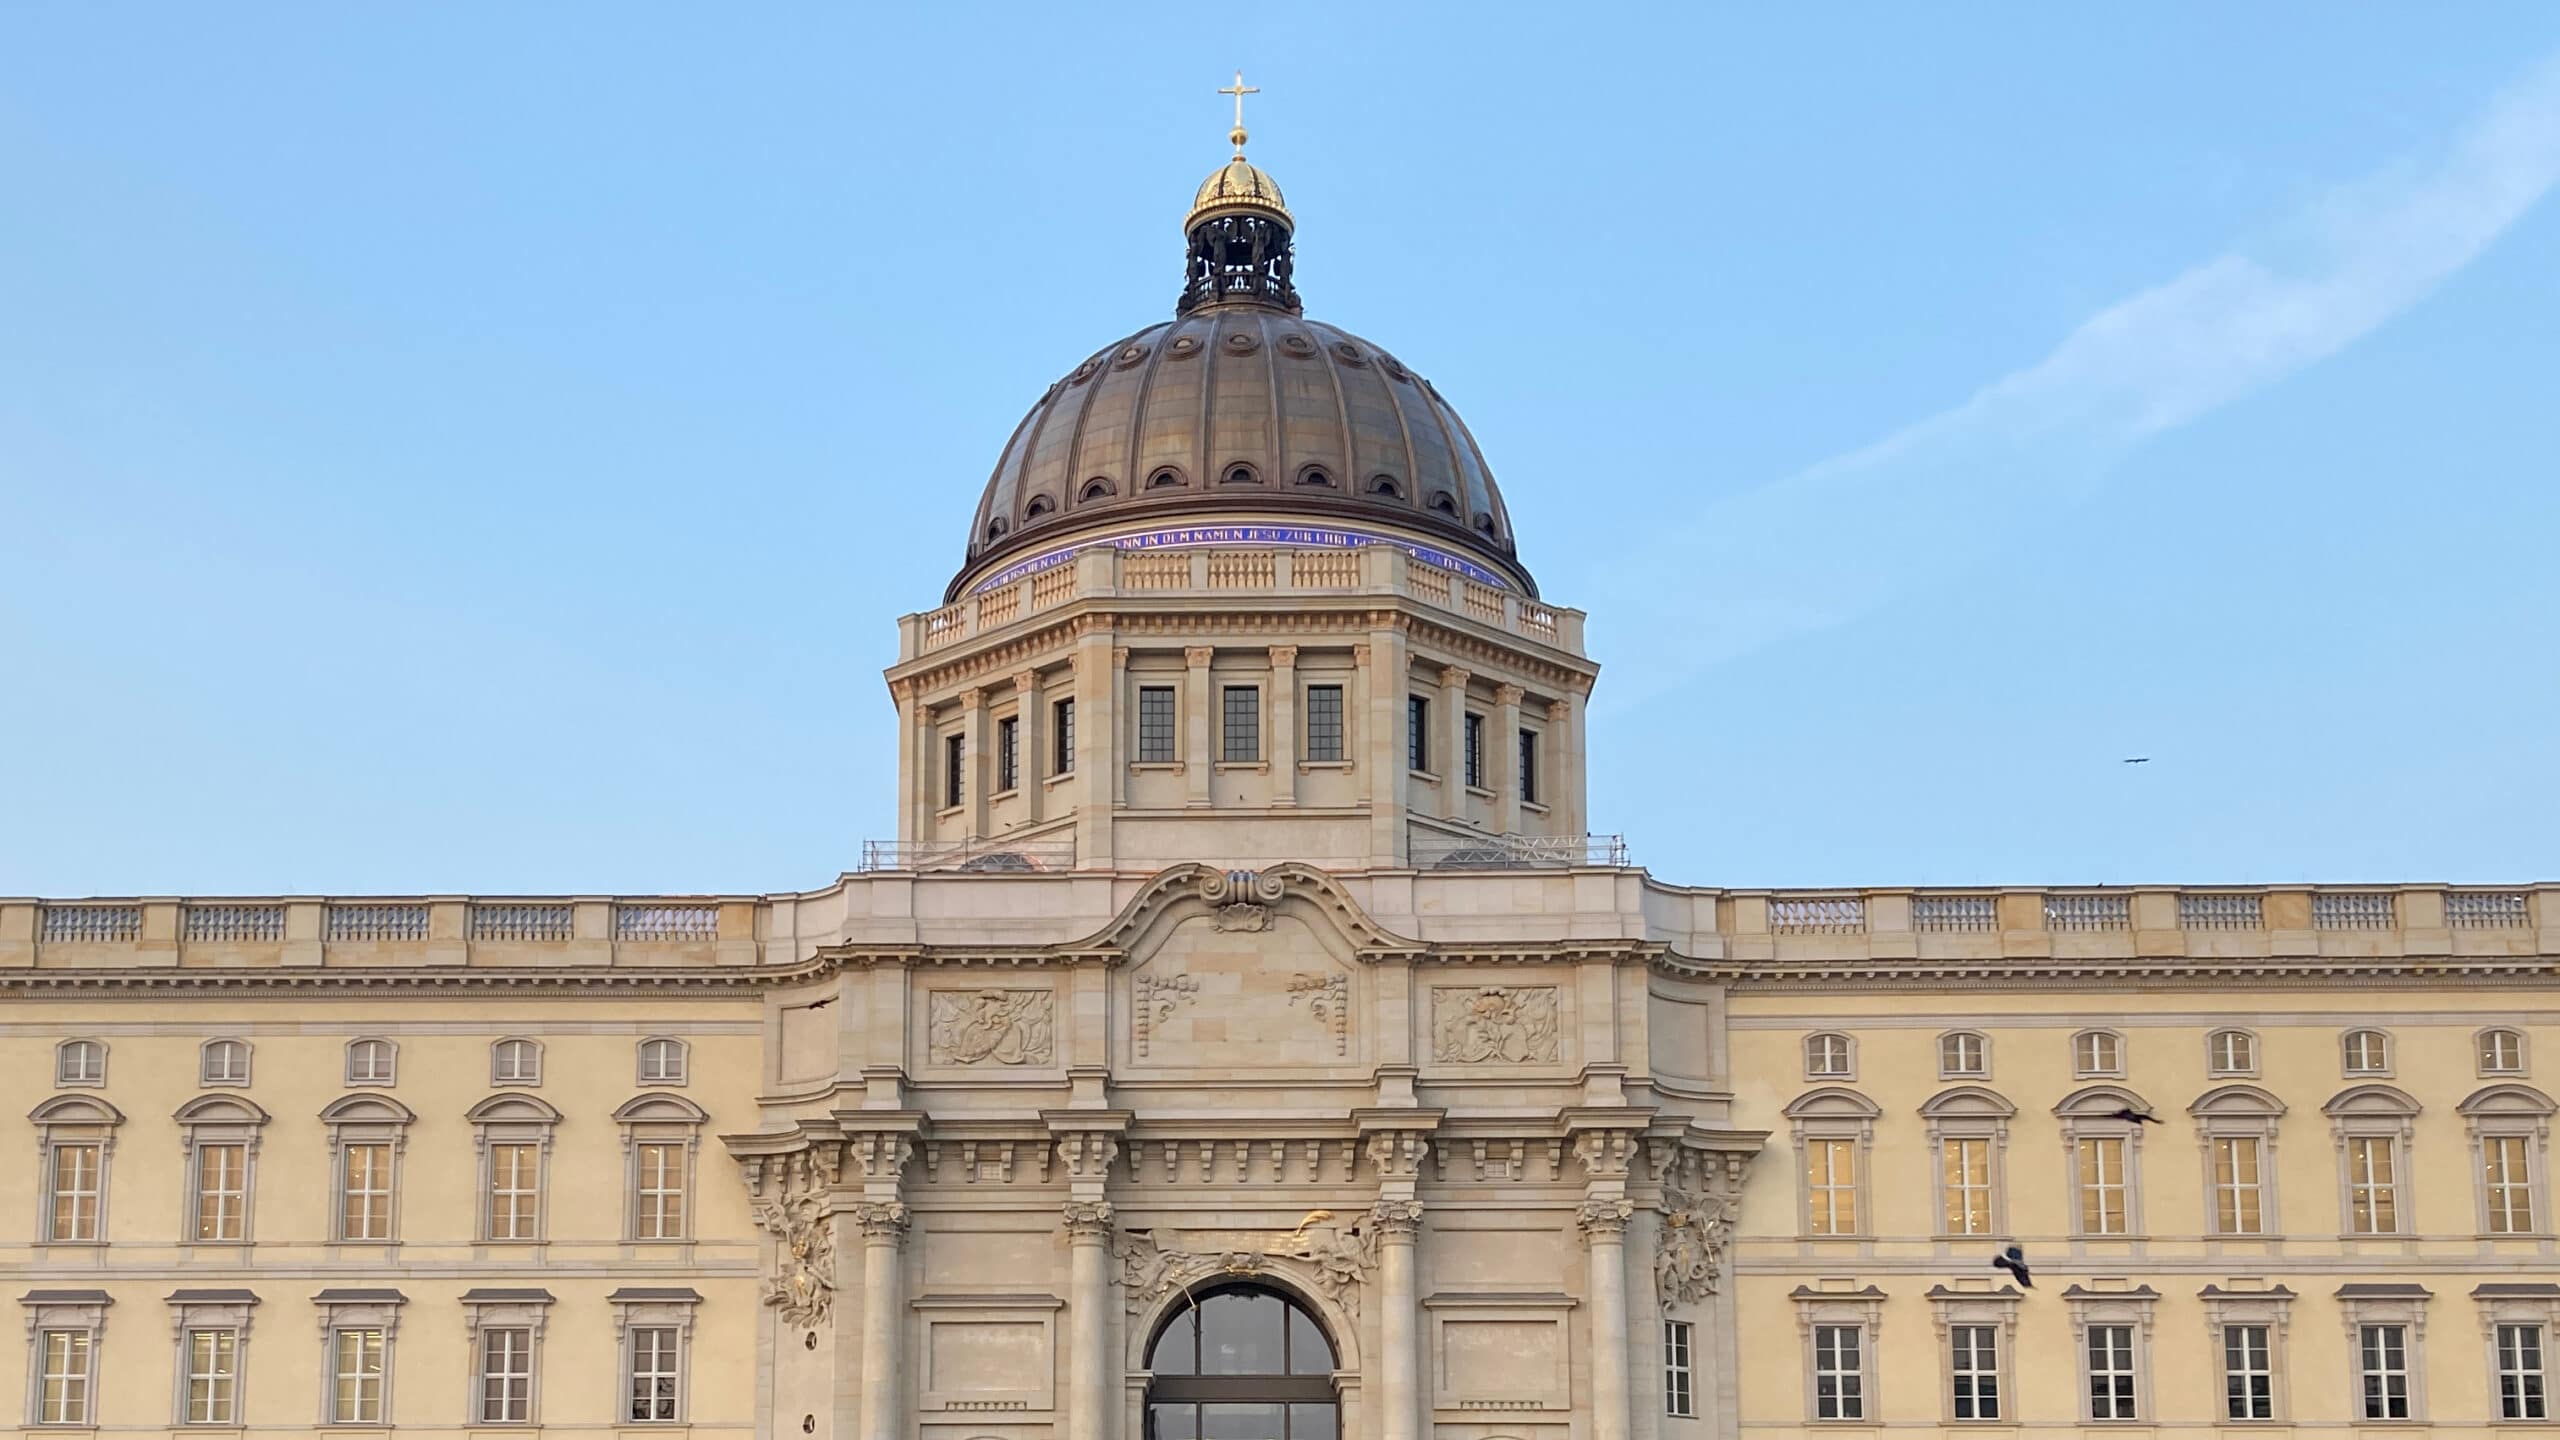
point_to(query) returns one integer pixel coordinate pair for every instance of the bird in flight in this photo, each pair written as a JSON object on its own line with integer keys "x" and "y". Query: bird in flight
{"x": 2014, "y": 1260}
{"x": 2137, "y": 1117}
{"x": 2138, "y": 760}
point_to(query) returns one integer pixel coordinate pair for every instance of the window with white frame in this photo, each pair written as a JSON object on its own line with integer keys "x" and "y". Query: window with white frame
{"x": 515, "y": 1061}
{"x": 75, "y": 1136}
{"x": 660, "y": 1134}
{"x": 2112, "y": 1329}
{"x": 514, "y": 1138}
{"x": 1977, "y": 1328}
{"x": 372, "y": 1062}
{"x": 1964, "y": 1055}
{"x": 2510, "y": 1127}
{"x": 2523, "y": 1393}
{"x": 79, "y": 1063}
{"x": 1833, "y": 1128}
{"x": 505, "y": 1327}
{"x": 2104, "y": 1151}
{"x": 220, "y": 1133}
{"x": 2097, "y": 1054}
{"x": 2231, "y": 1052}
{"x": 1829, "y": 1056}
{"x": 2363, "y": 1053}
{"x": 2517, "y": 1319}
{"x": 2501, "y": 1051}
{"x": 1969, "y": 1134}
{"x": 367, "y": 1134}
{"x": 2248, "y": 1326}
{"x": 2373, "y": 1126}
{"x": 656, "y": 1326}
{"x": 63, "y": 1330}
{"x": 223, "y": 1062}
{"x": 212, "y": 1328}
{"x": 662, "y": 1061}
{"x": 2237, "y": 1125}
{"x": 358, "y": 1328}
{"x": 2385, "y": 1325}
{"x": 1839, "y": 1329}
{"x": 1679, "y": 1377}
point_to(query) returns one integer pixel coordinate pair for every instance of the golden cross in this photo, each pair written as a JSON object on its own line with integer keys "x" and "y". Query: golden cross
{"x": 1239, "y": 90}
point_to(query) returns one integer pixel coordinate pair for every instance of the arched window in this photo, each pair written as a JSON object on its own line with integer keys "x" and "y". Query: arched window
{"x": 1386, "y": 485}
{"x": 515, "y": 1062}
{"x": 1097, "y": 488}
{"x": 1242, "y": 1361}
{"x": 2231, "y": 1052}
{"x": 79, "y": 1062}
{"x": 1315, "y": 475}
{"x": 224, "y": 1062}
{"x": 1829, "y": 1056}
{"x": 1241, "y": 475}
{"x": 1964, "y": 1055}
{"x": 1040, "y": 505}
{"x": 2096, "y": 1054}
{"x": 2365, "y": 1052}
{"x": 1444, "y": 503}
{"x": 661, "y": 1061}
{"x": 996, "y": 528}
{"x": 2501, "y": 1051}
{"x": 372, "y": 1062}
{"x": 1165, "y": 479}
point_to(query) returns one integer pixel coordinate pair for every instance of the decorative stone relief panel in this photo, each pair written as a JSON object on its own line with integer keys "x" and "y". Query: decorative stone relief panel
{"x": 1494, "y": 1024}
{"x": 1496, "y": 1354}
{"x": 1330, "y": 1255}
{"x": 1216, "y": 994}
{"x": 802, "y": 1282}
{"x": 991, "y": 1027}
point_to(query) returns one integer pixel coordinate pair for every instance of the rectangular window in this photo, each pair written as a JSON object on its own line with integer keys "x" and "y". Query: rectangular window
{"x": 2248, "y": 1374}
{"x": 75, "y": 1181}
{"x": 653, "y": 1372}
{"x": 213, "y": 1377}
{"x": 222, "y": 1191}
{"x": 1417, "y": 734}
{"x": 1324, "y": 722}
{"x": 1965, "y": 1168}
{"x": 2520, "y": 1379}
{"x": 1973, "y": 1370}
{"x": 1240, "y": 725}
{"x": 1062, "y": 738}
{"x": 1155, "y": 724}
{"x": 1839, "y": 1391}
{"x": 1008, "y": 753}
{"x": 660, "y": 1203}
{"x": 69, "y": 1361}
{"x": 2235, "y": 1185}
{"x": 364, "y": 1208}
{"x": 2373, "y": 1186}
{"x": 1529, "y": 766}
{"x": 515, "y": 1191}
{"x": 355, "y": 1377}
{"x": 1474, "y": 728}
{"x": 2111, "y": 1373}
{"x": 2102, "y": 1193}
{"x": 1831, "y": 1187}
{"x": 2509, "y": 1187}
{"x": 1679, "y": 1393}
{"x": 955, "y": 759}
{"x": 2382, "y": 1368}
{"x": 506, "y": 1376}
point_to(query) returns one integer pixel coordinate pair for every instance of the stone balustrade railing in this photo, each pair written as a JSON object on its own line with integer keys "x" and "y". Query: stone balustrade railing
{"x": 1104, "y": 573}
{"x": 431, "y": 930}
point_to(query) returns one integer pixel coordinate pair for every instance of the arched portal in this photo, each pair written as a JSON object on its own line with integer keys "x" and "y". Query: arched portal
{"x": 1245, "y": 1362}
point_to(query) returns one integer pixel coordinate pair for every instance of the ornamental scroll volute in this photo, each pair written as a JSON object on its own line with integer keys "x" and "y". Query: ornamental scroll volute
{"x": 791, "y": 1206}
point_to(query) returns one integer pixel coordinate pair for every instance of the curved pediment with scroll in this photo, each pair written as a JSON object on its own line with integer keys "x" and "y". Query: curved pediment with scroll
{"x": 1247, "y": 901}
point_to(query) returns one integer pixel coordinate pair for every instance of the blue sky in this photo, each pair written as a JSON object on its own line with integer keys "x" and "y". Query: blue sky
{"x": 483, "y": 448}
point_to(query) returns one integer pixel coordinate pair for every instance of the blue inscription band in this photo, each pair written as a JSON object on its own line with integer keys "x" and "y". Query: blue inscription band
{"x": 1189, "y": 537}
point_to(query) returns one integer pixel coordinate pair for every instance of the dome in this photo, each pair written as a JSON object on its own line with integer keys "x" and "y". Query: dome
{"x": 1239, "y": 408}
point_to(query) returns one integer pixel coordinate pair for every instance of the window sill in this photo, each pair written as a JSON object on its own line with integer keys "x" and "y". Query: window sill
{"x": 1307, "y": 767}
{"x": 1058, "y": 779}
{"x": 1258, "y": 767}
{"x": 1532, "y": 806}
{"x": 1168, "y": 767}
{"x": 1008, "y": 793}
{"x": 949, "y": 811}
{"x": 1480, "y": 792}
{"x": 1425, "y": 776}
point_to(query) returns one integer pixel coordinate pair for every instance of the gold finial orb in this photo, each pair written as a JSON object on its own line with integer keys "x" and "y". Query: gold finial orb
{"x": 1239, "y": 90}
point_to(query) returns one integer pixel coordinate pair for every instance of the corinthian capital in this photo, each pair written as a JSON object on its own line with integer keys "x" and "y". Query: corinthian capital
{"x": 1088, "y": 1219}
{"x": 1396, "y": 1219}
{"x": 1604, "y": 1219}
{"x": 884, "y": 1218}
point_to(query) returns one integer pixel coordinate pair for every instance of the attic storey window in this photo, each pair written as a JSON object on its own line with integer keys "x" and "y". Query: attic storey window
{"x": 1155, "y": 724}
{"x": 1062, "y": 735}
{"x": 955, "y": 754}
{"x": 1417, "y": 734}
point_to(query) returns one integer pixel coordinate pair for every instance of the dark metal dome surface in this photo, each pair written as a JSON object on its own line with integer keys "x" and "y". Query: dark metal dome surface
{"x": 1240, "y": 407}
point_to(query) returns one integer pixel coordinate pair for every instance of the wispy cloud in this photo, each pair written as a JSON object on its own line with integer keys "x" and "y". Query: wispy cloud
{"x": 1835, "y": 540}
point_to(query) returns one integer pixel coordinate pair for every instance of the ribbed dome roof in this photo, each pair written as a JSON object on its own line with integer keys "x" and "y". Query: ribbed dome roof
{"x": 1240, "y": 408}
{"x": 1238, "y": 184}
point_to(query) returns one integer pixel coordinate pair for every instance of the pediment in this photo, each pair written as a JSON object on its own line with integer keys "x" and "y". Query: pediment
{"x": 1247, "y": 902}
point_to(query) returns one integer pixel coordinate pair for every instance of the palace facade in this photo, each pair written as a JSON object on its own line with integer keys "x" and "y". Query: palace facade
{"x": 1245, "y": 1038}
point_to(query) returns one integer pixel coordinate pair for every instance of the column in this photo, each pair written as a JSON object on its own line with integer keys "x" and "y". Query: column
{"x": 1199, "y": 761}
{"x": 975, "y": 773}
{"x": 884, "y": 1304}
{"x": 911, "y": 759}
{"x": 1397, "y": 1223}
{"x": 1505, "y": 741}
{"x": 1089, "y": 1389}
{"x": 1564, "y": 757}
{"x": 1281, "y": 748}
{"x": 1603, "y": 1222}
{"x": 1031, "y": 758}
{"x": 1452, "y": 759}
{"x": 1380, "y": 675}
{"x": 1101, "y": 667}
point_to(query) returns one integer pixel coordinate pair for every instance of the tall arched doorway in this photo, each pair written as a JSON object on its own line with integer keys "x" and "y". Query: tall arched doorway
{"x": 1244, "y": 1363}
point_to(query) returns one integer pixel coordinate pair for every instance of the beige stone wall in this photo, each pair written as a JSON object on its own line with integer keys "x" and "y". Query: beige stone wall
{"x": 298, "y": 1067}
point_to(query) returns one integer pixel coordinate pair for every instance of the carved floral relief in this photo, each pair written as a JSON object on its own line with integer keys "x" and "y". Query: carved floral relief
{"x": 1007, "y": 1027}
{"x": 803, "y": 1283}
{"x": 1494, "y": 1024}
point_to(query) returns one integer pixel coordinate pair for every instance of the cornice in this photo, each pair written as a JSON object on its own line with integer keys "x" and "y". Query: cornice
{"x": 1855, "y": 976}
